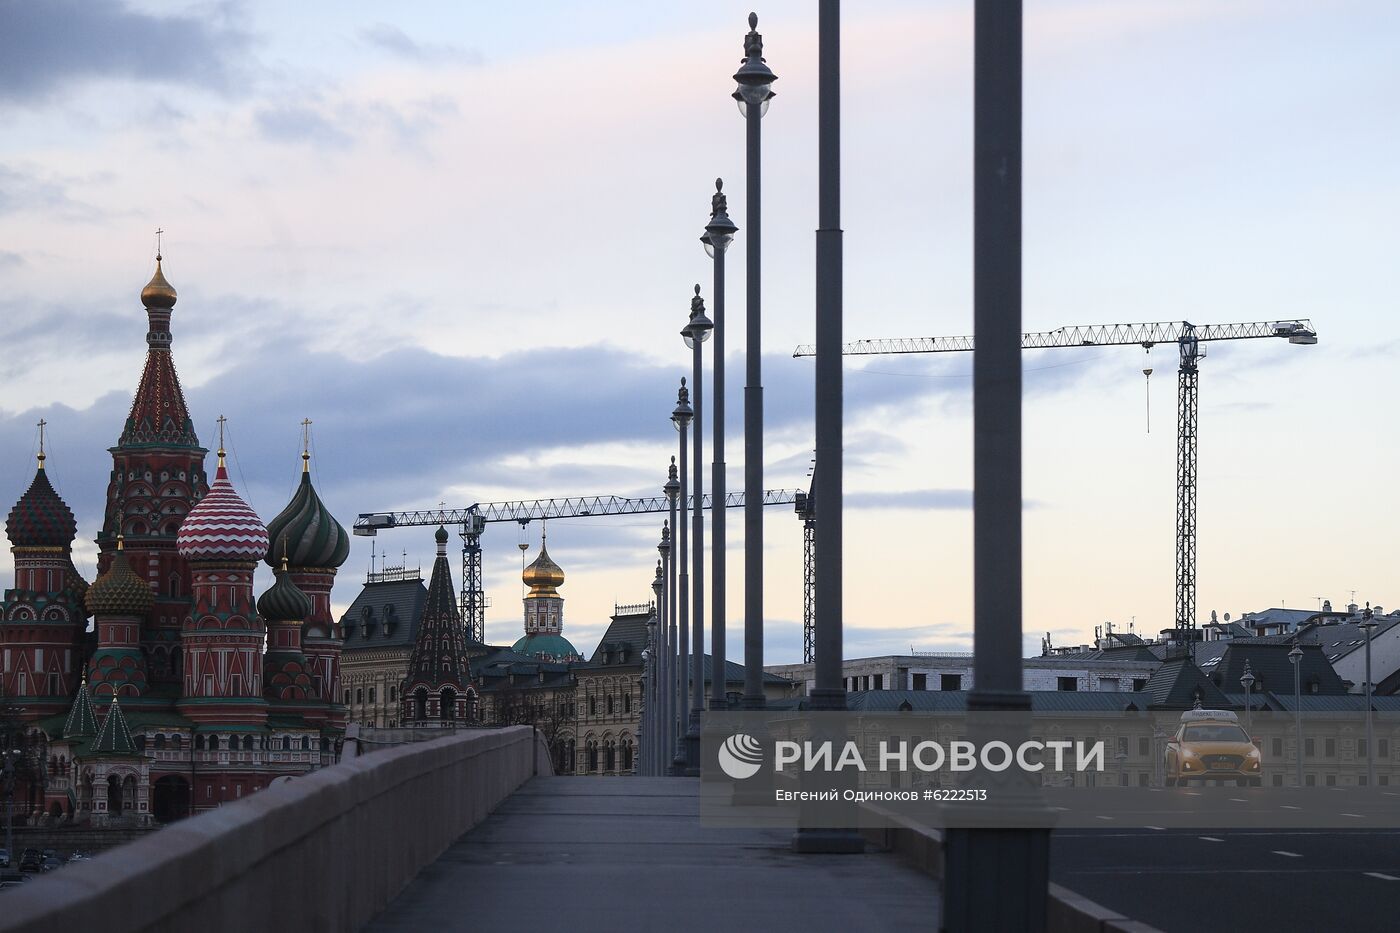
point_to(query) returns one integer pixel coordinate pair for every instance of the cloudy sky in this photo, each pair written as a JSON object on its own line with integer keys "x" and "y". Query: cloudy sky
{"x": 461, "y": 237}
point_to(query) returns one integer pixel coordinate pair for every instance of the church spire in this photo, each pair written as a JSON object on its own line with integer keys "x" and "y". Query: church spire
{"x": 435, "y": 690}
{"x": 159, "y": 416}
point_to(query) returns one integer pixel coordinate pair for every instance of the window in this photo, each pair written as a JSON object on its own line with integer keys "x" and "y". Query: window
{"x": 592, "y": 711}
{"x": 1309, "y": 748}
{"x": 1382, "y": 748}
{"x": 1278, "y": 780}
{"x": 1109, "y": 684}
{"x": 393, "y": 694}
{"x": 1330, "y": 748}
{"x": 1144, "y": 746}
{"x": 347, "y": 697}
{"x": 1360, "y": 748}
{"x": 371, "y": 694}
{"x": 879, "y": 681}
{"x": 920, "y": 681}
{"x": 1066, "y": 683}
{"x": 247, "y": 743}
{"x": 359, "y": 696}
{"x": 1277, "y": 747}
{"x": 1139, "y": 683}
{"x": 1123, "y": 745}
{"x": 1331, "y": 780}
{"x": 627, "y": 702}
{"x": 950, "y": 682}
{"x": 286, "y": 743}
{"x": 1310, "y": 780}
{"x": 1383, "y": 780}
{"x": 213, "y": 743}
{"x": 610, "y": 709}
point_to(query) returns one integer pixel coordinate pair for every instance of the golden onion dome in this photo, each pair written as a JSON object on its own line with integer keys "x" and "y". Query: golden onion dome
{"x": 158, "y": 293}
{"x": 543, "y": 575}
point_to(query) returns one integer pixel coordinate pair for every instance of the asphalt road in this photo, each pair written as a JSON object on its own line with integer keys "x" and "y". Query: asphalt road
{"x": 1239, "y": 880}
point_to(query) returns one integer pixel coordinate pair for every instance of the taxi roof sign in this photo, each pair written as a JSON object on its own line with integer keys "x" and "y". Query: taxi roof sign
{"x": 1209, "y": 715}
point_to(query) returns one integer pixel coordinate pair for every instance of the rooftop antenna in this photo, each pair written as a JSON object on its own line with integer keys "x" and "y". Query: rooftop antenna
{"x": 373, "y": 545}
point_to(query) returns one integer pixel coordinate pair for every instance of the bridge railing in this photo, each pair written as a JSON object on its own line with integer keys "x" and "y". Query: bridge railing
{"x": 322, "y": 852}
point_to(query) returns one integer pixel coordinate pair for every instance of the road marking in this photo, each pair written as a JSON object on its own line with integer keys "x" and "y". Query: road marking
{"x": 1104, "y": 817}
{"x": 1390, "y": 793}
{"x": 1211, "y": 839}
{"x": 1288, "y": 854}
{"x": 1239, "y": 800}
{"x": 1355, "y": 816}
{"x": 1289, "y": 807}
{"x": 1193, "y": 793}
{"x": 1376, "y": 874}
{"x": 1160, "y": 829}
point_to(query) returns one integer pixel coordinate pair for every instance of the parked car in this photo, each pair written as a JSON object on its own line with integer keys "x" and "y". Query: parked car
{"x": 31, "y": 860}
{"x": 11, "y": 879}
{"x": 51, "y": 863}
{"x": 4, "y": 858}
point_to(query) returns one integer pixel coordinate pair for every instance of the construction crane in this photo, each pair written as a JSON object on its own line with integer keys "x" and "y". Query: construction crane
{"x": 472, "y": 521}
{"x": 1188, "y": 338}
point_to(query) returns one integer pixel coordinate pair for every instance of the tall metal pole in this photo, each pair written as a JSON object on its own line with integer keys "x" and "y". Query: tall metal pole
{"x": 754, "y": 91}
{"x": 677, "y": 648}
{"x": 1367, "y": 624}
{"x": 683, "y": 561}
{"x": 718, "y": 233}
{"x": 666, "y": 691}
{"x": 1296, "y": 656}
{"x": 829, "y": 692}
{"x": 980, "y": 860}
{"x": 697, "y": 557}
{"x": 1187, "y": 457}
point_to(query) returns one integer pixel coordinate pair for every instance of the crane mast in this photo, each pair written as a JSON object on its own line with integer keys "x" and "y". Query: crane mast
{"x": 1188, "y": 337}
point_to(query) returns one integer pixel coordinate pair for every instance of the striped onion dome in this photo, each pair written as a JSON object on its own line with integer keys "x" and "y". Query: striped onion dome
{"x": 120, "y": 591}
{"x": 284, "y": 601}
{"x": 222, "y": 526}
{"x": 40, "y": 518}
{"x": 306, "y": 533}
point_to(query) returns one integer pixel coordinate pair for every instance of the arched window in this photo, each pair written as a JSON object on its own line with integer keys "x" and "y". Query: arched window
{"x": 371, "y": 694}
{"x": 176, "y": 741}
{"x": 213, "y": 743}
{"x": 448, "y": 699}
{"x": 359, "y": 696}
{"x": 286, "y": 743}
{"x": 626, "y": 754}
{"x": 199, "y": 743}
{"x": 609, "y": 756}
{"x": 592, "y": 748}
{"x": 393, "y": 694}
{"x": 420, "y": 703}
{"x": 160, "y": 740}
{"x": 306, "y": 743}
{"x": 247, "y": 743}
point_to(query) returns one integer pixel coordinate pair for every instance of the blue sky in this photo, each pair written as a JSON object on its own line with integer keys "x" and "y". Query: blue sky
{"x": 461, "y": 238}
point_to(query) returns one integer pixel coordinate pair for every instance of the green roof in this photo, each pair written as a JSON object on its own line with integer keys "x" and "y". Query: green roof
{"x": 115, "y": 737}
{"x": 552, "y": 646}
{"x": 81, "y": 721}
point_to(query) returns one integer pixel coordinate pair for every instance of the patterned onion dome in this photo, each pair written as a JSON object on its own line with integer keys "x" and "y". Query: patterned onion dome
{"x": 222, "y": 526}
{"x": 283, "y": 601}
{"x": 306, "y": 532}
{"x": 158, "y": 293}
{"x": 119, "y": 591}
{"x": 40, "y": 518}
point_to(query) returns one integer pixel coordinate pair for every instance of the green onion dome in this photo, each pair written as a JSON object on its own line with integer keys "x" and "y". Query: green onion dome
{"x": 40, "y": 518}
{"x": 283, "y": 601}
{"x": 306, "y": 532}
{"x": 119, "y": 591}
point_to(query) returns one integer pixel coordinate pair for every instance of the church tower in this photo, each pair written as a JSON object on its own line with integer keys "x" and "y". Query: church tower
{"x": 435, "y": 693}
{"x": 314, "y": 546}
{"x": 544, "y": 611}
{"x": 157, "y": 477}
{"x": 222, "y": 638}
{"x": 42, "y": 619}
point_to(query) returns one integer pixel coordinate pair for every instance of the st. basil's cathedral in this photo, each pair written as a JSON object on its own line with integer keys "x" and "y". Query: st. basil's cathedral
{"x": 185, "y": 693}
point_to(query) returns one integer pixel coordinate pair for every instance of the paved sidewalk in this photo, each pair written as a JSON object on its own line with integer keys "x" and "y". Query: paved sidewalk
{"x": 617, "y": 854}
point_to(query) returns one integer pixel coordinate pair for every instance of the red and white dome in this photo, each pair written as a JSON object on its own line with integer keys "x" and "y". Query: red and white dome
{"x": 222, "y": 526}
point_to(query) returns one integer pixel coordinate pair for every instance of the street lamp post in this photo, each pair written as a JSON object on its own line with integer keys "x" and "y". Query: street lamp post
{"x": 754, "y": 91}
{"x": 1368, "y": 622}
{"x": 675, "y": 648}
{"x": 648, "y": 696}
{"x": 696, "y": 331}
{"x": 660, "y": 652}
{"x": 1295, "y": 657}
{"x": 719, "y": 232}
{"x": 664, "y": 684}
{"x": 682, "y": 416}
{"x": 1247, "y": 680}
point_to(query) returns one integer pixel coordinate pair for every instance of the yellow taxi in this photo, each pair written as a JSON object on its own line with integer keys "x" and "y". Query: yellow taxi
{"x": 1210, "y": 745}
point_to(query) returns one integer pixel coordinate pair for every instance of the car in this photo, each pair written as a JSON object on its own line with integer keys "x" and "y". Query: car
{"x": 31, "y": 860}
{"x": 1210, "y": 745}
{"x": 11, "y": 879}
{"x": 4, "y": 858}
{"x": 51, "y": 863}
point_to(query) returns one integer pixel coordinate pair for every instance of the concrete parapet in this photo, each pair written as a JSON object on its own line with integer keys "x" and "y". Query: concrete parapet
{"x": 324, "y": 852}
